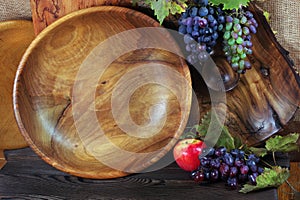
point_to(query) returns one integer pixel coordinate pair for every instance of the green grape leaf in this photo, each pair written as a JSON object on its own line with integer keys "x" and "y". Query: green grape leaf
{"x": 267, "y": 16}
{"x": 260, "y": 152}
{"x": 269, "y": 178}
{"x": 204, "y": 124}
{"x": 225, "y": 138}
{"x": 230, "y": 4}
{"x": 163, "y": 8}
{"x": 284, "y": 144}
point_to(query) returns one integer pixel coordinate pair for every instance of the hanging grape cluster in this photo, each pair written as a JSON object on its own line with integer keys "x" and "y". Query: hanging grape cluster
{"x": 203, "y": 24}
{"x": 237, "y": 39}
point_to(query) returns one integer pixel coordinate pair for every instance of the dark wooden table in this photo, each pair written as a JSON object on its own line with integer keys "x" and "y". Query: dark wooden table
{"x": 26, "y": 176}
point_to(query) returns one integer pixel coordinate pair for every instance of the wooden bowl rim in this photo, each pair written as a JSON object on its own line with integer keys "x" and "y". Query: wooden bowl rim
{"x": 40, "y": 38}
{"x": 9, "y": 23}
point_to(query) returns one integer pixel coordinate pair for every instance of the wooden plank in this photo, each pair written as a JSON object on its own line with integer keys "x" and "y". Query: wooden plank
{"x": 46, "y": 12}
{"x": 26, "y": 176}
{"x": 285, "y": 191}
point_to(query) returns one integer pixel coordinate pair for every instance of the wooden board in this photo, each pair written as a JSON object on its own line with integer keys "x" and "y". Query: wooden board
{"x": 28, "y": 177}
{"x": 46, "y": 12}
{"x": 15, "y": 37}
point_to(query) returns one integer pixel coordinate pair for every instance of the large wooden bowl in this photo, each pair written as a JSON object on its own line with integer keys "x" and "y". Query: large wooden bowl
{"x": 15, "y": 37}
{"x": 54, "y": 98}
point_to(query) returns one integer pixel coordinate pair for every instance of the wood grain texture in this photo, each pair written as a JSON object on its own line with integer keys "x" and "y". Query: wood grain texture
{"x": 15, "y": 37}
{"x": 45, "y": 104}
{"x": 45, "y": 12}
{"x": 285, "y": 192}
{"x": 266, "y": 98}
{"x": 26, "y": 176}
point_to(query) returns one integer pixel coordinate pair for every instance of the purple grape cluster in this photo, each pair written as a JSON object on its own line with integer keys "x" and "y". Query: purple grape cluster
{"x": 237, "y": 39}
{"x": 234, "y": 167}
{"x": 200, "y": 26}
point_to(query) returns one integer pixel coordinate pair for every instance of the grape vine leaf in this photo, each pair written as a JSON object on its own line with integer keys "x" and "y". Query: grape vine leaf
{"x": 231, "y": 4}
{"x": 271, "y": 177}
{"x": 284, "y": 144}
{"x": 225, "y": 139}
{"x": 163, "y": 8}
{"x": 260, "y": 152}
{"x": 267, "y": 16}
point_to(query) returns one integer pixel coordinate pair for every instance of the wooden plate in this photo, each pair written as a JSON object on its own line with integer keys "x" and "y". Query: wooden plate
{"x": 59, "y": 109}
{"x": 15, "y": 37}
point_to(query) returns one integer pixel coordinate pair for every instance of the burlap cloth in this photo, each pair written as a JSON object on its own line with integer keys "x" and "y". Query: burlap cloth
{"x": 285, "y": 20}
{"x": 14, "y": 9}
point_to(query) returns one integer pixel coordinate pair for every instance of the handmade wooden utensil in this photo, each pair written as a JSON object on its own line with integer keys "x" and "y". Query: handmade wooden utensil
{"x": 15, "y": 37}
{"x": 53, "y": 93}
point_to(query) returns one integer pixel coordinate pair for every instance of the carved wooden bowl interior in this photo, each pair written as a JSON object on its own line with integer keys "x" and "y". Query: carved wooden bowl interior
{"x": 45, "y": 106}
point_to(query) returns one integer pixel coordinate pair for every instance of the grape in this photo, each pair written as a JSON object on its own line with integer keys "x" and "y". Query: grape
{"x": 200, "y": 23}
{"x": 241, "y": 154}
{"x": 253, "y": 168}
{"x": 252, "y": 29}
{"x": 250, "y": 162}
{"x": 244, "y": 169}
{"x": 223, "y": 150}
{"x": 201, "y": 2}
{"x": 233, "y": 167}
{"x": 254, "y": 158}
{"x": 243, "y": 178}
{"x": 189, "y": 29}
{"x": 221, "y": 19}
{"x": 207, "y": 175}
{"x": 260, "y": 170}
{"x": 193, "y": 11}
{"x": 246, "y": 30}
{"x": 228, "y": 159}
{"x": 210, "y": 18}
{"x": 232, "y": 183}
{"x": 214, "y": 175}
{"x": 203, "y": 11}
{"x": 229, "y": 19}
{"x": 215, "y": 163}
{"x": 252, "y": 179}
{"x": 238, "y": 162}
{"x": 198, "y": 176}
{"x": 208, "y": 151}
{"x": 205, "y": 161}
{"x": 224, "y": 170}
{"x": 211, "y": 10}
{"x": 203, "y": 56}
{"x": 233, "y": 171}
{"x": 243, "y": 20}
{"x": 238, "y": 28}
{"x": 248, "y": 14}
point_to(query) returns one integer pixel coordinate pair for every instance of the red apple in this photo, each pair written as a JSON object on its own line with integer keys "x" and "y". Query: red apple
{"x": 186, "y": 153}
